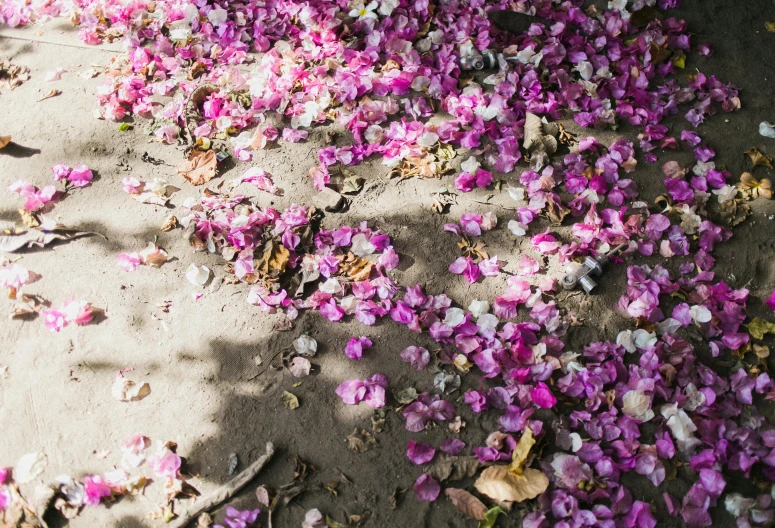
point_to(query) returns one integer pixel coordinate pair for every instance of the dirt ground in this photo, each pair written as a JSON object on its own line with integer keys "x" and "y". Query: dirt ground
{"x": 209, "y": 393}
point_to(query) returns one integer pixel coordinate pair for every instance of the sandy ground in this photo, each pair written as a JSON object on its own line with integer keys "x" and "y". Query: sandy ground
{"x": 201, "y": 358}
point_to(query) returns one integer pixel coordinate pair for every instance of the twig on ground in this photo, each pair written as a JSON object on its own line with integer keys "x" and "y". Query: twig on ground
{"x": 225, "y": 492}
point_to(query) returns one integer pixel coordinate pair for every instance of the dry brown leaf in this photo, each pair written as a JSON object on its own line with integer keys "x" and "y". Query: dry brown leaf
{"x": 49, "y": 95}
{"x": 756, "y": 187}
{"x": 170, "y": 223}
{"x": 354, "y": 268}
{"x": 466, "y": 503}
{"x": 361, "y": 441}
{"x": 29, "y": 218}
{"x": 199, "y": 168}
{"x": 759, "y": 158}
{"x": 452, "y": 468}
{"x": 521, "y": 452}
{"x": 659, "y": 53}
{"x": 4, "y": 140}
{"x": 274, "y": 260}
{"x": 499, "y": 485}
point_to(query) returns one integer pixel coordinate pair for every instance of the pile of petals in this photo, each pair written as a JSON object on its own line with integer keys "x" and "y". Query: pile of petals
{"x": 79, "y": 176}
{"x": 284, "y": 254}
{"x": 70, "y": 312}
{"x": 381, "y": 72}
{"x": 35, "y": 199}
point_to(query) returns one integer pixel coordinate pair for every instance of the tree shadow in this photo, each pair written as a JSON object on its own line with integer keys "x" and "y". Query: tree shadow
{"x": 15, "y": 150}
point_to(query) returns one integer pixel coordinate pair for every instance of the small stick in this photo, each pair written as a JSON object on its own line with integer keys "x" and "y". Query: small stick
{"x": 225, "y": 492}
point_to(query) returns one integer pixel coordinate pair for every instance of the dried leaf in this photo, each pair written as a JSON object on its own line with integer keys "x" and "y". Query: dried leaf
{"x": 354, "y": 268}
{"x": 454, "y": 468}
{"x": 199, "y": 168}
{"x": 126, "y": 390}
{"x": 361, "y": 441}
{"x": 357, "y": 520}
{"x": 4, "y": 140}
{"x": 331, "y": 523}
{"x": 659, "y": 53}
{"x": 521, "y": 452}
{"x": 29, "y": 218}
{"x": 770, "y": 26}
{"x": 734, "y": 212}
{"x": 466, "y": 503}
{"x": 170, "y": 223}
{"x": 274, "y": 260}
{"x": 405, "y": 396}
{"x": 756, "y": 187}
{"x": 49, "y": 95}
{"x": 759, "y": 158}
{"x": 14, "y": 237}
{"x": 499, "y": 485}
{"x": 352, "y": 185}
{"x": 290, "y": 401}
{"x": 758, "y": 328}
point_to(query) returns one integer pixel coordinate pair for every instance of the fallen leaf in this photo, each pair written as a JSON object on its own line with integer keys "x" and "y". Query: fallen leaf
{"x": 491, "y": 517}
{"x": 361, "y": 441}
{"x": 466, "y": 503}
{"x": 331, "y": 523}
{"x": 14, "y": 237}
{"x": 49, "y": 95}
{"x": 290, "y": 401}
{"x": 331, "y": 487}
{"x": 378, "y": 420}
{"x": 454, "y": 468}
{"x": 126, "y": 390}
{"x": 29, "y": 218}
{"x": 12, "y": 75}
{"x": 27, "y": 305}
{"x": 199, "y": 168}
{"x": 734, "y": 212}
{"x": 352, "y": 185}
{"x": 406, "y": 396}
{"x": 770, "y": 26}
{"x": 136, "y": 485}
{"x": 756, "y": 187}
{"x": 521, "y": 452}
{"x": 170, "y": 223}
{"x": 357, "y": 520}
{"x": 758, "y": 328}
{"x": 354, "y": 268}
{"x": 499, "y": 485}
{"x": 4, "y": 140}
{"x": 759, "y": 158}
{"x": 274, "y": 260}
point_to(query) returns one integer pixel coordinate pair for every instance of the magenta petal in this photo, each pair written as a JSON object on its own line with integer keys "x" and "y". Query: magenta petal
{"x": 771, "y": 301}
{"x": 351, "y": 391}
{"x": 452, "y": 446}
{"x": 421, "y": 453}
{"x": 542, "y": 396}
{"x": 418, "y": 357}
{"x": 426, "y": 488}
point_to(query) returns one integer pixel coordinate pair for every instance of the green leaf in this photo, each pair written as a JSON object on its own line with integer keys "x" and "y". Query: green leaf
{"x": 759, "y": 327}
{"x": 123, "y": 127}
{"x": 491, "y": 517}
{"x": 290, "y": 401}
